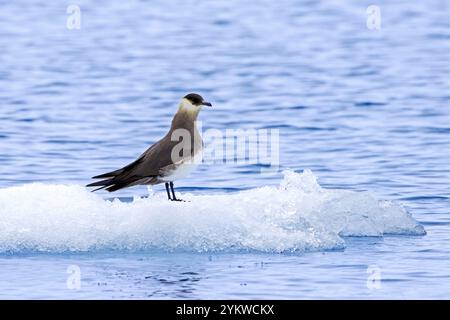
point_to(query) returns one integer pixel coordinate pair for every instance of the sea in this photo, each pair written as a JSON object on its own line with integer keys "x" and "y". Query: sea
{"x": 352, "y": 201}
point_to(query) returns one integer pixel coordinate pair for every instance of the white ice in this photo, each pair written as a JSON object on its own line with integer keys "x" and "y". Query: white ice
{"x": 298, "y": 215}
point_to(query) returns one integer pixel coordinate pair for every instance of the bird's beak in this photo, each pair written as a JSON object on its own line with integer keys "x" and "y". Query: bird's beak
{"x": 208, "y": 104}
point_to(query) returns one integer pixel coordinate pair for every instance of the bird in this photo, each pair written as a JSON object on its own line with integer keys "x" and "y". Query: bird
{"x": 171, "y": 158}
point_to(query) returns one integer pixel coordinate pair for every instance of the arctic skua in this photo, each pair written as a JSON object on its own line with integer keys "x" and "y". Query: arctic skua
{"x": 171, "y": 158}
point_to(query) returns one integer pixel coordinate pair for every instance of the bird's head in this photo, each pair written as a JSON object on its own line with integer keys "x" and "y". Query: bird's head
{"x": 192, "y": 103}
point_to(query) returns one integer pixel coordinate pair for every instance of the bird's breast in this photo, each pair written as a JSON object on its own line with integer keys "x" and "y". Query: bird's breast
{"x": 182, "y": 169}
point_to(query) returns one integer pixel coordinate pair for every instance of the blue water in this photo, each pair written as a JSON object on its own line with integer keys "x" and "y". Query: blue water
{"x": 365, "y": 110}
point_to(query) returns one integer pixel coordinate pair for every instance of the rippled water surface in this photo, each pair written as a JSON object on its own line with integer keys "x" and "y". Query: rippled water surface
{"x": 365, "y": 110}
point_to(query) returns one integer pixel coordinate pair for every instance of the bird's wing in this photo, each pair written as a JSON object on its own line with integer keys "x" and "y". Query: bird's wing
{"x": 146, "y": 167}
{"x": 158, "y": 159}
{"x": 155, "y": 158}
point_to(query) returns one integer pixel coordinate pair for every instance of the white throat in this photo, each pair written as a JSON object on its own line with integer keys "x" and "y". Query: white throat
{"x": 187, "y": 106}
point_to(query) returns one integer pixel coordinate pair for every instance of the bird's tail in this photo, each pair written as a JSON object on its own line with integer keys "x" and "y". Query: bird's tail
{"x": 102, "y": 184}
{"x": 114, "y": 183}
{"x": 118, "y": 179}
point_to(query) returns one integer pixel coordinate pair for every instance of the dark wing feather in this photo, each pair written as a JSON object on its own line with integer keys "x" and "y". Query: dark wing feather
{"x": 119, "y": 171}
{"x": 100, "y": 183}
{"x": 146, "y": 167}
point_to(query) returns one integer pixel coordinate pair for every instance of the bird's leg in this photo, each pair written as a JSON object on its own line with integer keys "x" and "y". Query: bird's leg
{"x": 168, "y": 192}
{"x": 174, "y": 198}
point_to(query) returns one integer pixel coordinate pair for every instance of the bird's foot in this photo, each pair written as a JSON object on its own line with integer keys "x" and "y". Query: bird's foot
{"x": 180, "y": 200}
